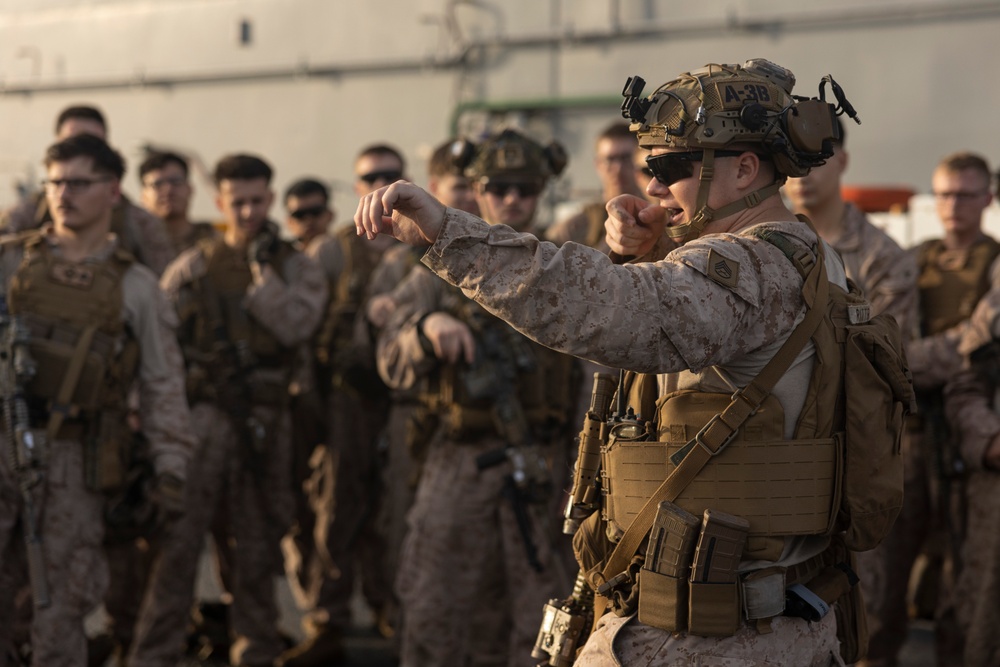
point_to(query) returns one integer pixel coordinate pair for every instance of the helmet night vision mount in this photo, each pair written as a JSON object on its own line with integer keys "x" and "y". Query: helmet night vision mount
{"x": 511, "y": 155}
{"x": 720, "y": 106}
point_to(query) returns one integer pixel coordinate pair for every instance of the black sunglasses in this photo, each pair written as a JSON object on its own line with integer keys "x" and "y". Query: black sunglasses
{"x": 501, "y": 188}
{"x": 308, "y": 212}
{"x": 389, "y": 176}
{"x": 668, "y": 168}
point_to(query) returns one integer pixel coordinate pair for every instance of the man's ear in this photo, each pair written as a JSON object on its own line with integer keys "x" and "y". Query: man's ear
{"x": 116, "y": 191}
{"x": 747, "y": 169}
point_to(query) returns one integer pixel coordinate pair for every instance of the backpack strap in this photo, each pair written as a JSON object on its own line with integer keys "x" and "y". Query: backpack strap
{"x": 719, "y": 431}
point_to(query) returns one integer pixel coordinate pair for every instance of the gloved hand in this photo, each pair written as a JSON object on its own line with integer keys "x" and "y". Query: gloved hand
{"x": 262, "y": 247}
{"x": 168, "y": 494}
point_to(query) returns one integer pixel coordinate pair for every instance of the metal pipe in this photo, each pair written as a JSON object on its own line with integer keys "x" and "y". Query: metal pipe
{"x": 935, "y": 12}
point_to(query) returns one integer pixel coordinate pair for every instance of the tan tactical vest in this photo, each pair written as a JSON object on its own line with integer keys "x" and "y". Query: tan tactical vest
{"x": 952, "y": 282}
{"x": 74, "y": 312}
{"x": 215, "y": 314}
{"x": 840, "y": 475}
{"x": 596, "y": 214}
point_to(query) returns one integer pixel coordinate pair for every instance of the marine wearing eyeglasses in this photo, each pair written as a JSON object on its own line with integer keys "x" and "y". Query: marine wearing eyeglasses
{"x": 615, "y": 154}
{"x": 167, "y": 192}
{"x": 956, "y": 272}
{"x": 141, "y": 232}
{"x": 85, "y": 302}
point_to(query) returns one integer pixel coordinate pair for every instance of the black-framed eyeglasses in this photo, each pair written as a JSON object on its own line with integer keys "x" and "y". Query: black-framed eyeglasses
{"x": 668, "y": 168}
{"x": 522, "y": 188}
{"x": 645, "y": 171}
{"x": 160, "y": 183}
{"x": 308, "y": 212}
{"x": 386, "y": 176}
{"x": 72, "y": 185}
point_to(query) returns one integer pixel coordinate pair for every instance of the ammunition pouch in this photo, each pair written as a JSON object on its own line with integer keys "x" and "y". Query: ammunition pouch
{"x": 107, "y": 452}
{"x": 782, "y": 487}
{"x": 673, "y": 601}
{"x": 53, "y": 347}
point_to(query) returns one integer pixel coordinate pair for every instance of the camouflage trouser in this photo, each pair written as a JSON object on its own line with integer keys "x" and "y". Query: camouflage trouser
{"x": 977, "y": 597}
{"x": 71, "y": 524}
{"x": 885, "y": 570}
{"x": 259, "y": 510}
{"x": 469, "y": 594}
{"x": 625, "y": 642}
{"x": 399, "y": 481}
{"x": 128, "y": 566}
{"x": 346, "y": 527}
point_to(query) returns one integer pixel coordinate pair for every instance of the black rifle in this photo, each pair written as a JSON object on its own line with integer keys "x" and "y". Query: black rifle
{"x": 16, "y": 370}
{"x": 501, "y": 355}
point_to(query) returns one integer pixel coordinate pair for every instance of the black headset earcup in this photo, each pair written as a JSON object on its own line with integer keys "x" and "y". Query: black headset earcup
{"x": 557, "y": 157}
{"x": 462, "y": 152}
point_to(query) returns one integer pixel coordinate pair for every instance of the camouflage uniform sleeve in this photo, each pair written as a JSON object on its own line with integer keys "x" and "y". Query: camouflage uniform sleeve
{"x": 969, "y": 407}
{"x": 391, "y": 270}
{"x": 157, "y": 250}
{"x": 891, "y": 285}
{"x": 290, "y": 311}
{"x": 163, "y": 406}
{"x": 402, "y": 353}
{"x": 935, "y": 359}
{"x": 188, "y": 266}
{"x": 328, "y": 254}
{"x": 652, "y": 317}
{"x": 20, "y": 217}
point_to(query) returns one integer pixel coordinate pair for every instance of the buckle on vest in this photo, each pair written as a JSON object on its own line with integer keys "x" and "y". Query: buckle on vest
{"x": 704, "y": 429}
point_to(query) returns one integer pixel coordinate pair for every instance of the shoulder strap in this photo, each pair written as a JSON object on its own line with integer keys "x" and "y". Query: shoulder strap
{"x": 718, "y": 432}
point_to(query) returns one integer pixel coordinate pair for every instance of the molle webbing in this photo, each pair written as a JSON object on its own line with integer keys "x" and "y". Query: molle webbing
{"x": 74, "y": 313}
{"x": 783, "y": 487}
{"x": 951, "y": 283}
{"x": 222, "y": 293}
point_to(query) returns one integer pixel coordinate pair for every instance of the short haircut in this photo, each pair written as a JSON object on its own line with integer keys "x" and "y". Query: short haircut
{"x": 382, "y": 149}
{"x": 83, "y": 112}
{"x": 305, "y": 187}
{"x": 105, "y": 159}
{"x": 241, "y": 167}
{"x": 159, "y": 160}
{"x": 965, "y": 160}
{"x": 442, "y": 162}
{"x": 618, "y": 130}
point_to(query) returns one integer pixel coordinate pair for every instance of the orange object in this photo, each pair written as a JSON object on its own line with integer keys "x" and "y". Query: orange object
{"x": 878, "y": 199}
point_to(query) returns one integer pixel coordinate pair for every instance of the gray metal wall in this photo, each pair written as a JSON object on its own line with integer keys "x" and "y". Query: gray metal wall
{"x": 316, "y": 80}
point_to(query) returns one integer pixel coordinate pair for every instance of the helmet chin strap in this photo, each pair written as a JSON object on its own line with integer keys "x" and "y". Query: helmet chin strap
{"x": 705, "y": 214}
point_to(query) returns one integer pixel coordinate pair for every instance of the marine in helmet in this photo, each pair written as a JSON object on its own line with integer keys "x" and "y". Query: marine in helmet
{"x": 709, "y": 318}
{"x": 477, "y": 563}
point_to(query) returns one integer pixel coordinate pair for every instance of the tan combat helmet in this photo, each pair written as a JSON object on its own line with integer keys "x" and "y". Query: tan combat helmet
{"x": 722, "y": 105}
{"x": 509, "y": 155}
